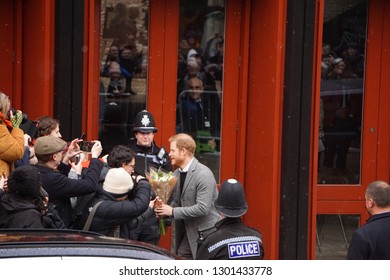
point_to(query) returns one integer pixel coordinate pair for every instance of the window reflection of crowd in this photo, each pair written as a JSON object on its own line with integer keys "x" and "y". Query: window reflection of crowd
{"x": 129, "y": 62}
{"x": 350, "y": 64}
{"x": 200, "y": 58}
{"x": 124, "y": 69}
{"x": 342, "y": 110}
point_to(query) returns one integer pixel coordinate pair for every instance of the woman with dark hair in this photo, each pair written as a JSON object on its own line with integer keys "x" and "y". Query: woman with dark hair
{"x": 24, "y": 203}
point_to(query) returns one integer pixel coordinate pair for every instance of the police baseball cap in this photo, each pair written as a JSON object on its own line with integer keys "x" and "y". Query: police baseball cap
{"x": 144, "y": 122}
{"x": 231, "y": 200}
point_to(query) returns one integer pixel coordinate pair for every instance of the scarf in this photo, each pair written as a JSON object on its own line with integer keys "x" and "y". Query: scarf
{"x": 7, "y": 122}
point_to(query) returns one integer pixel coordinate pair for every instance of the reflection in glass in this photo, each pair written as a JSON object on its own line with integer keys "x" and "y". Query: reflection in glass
{"x": 199, "y": 77}
{"x": 123, "y": 69}
{"x": 333, "y": 235}
{"x": 342, "y": 91}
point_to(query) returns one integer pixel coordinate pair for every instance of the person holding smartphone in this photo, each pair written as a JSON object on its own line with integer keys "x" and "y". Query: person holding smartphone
{"x": 53, "y": 155}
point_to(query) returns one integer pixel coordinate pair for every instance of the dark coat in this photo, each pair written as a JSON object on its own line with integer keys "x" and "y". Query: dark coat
{"x": 111, "y": 213}
{"x": 61, "y": 188}
{"x": 371, "y": 242}
{"x": 245, "y": 242}
{"x": 16, "y": 212}
{"x": 147, "y": 157}
{"x": 203, "y": 115}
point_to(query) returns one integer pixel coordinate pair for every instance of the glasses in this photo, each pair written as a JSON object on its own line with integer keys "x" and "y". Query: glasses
{"x": 191, "y": 87}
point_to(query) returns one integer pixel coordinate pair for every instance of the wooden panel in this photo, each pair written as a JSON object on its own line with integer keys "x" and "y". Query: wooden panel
{"x": 312, "y": 228}
{"x": 343, "y": 207}
{"x": 264, "y": 111}
{"x": 6, "y": 47}
{"x": 242, "y": 94}
{"x": 384, "y": 101}
{"x": 162, "y": 69}
{"x": 164, "y": 21}
{"x": 231, "y": 91}
{"x": 38, "y": 55}
{"x": 91, "y": 69}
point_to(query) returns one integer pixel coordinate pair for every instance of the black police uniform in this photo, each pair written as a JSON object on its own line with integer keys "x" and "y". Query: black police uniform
{"x": 230, "y": 239}
{"x": 147, "y": 157}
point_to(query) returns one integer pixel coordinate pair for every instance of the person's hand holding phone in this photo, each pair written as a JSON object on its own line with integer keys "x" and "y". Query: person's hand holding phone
{"x": 96, "y": 149}
{"x": 72, "y": 150}
{"x": 77, "y": 164}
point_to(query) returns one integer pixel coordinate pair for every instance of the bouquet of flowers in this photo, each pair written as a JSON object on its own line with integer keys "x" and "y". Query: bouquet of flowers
{"x": 162, "y": 184}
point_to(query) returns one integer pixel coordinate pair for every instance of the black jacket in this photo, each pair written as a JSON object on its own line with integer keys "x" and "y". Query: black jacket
{"x": 15, "y": 212}
{"x": 230, "y": 239}
{"x": 111, "y": 213}
{"x": 147, "y": 157}
{"x": 61, "y": 188}
{"x": 371, "y": 242}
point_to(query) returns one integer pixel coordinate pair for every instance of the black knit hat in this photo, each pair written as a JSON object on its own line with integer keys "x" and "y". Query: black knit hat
{"x": 144, "y": 122}
{"x": 25, "y": 181}
{"x": 231, "y": 199}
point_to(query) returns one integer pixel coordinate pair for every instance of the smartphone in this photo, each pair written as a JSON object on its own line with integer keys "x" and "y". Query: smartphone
{"x": 77, "y": 159}
{"x": 88, "y": 145}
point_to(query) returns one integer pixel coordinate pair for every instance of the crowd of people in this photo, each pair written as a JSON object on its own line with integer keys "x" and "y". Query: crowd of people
{"x": 46, "y": 183}
{"x": 342, "y": 90}
{"x": 198, "y": 96}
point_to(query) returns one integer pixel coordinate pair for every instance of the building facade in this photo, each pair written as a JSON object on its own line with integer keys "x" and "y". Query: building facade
{"x": 295, "y": 94}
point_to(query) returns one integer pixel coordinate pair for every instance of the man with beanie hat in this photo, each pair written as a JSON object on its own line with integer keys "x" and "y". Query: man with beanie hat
{"x": 115, "y": 212}
{"x": 148, "y": 154}
{"x": 230, "y": 239}
{"x": 23, "y": 205}
{"x": 53, "y": 163}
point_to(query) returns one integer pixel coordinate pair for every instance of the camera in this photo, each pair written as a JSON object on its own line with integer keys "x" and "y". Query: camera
{"x": 24, "y": 115}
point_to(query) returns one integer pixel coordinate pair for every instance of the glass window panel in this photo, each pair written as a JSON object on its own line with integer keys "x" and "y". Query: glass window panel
{"x": 123, "y": 68}
{"x": 333, "y": 235}
{"x": 342, "y": 91}
{"x": 200, "y": 75}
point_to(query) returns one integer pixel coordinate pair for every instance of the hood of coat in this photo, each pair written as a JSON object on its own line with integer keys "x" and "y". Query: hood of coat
{"x": 13, "y": 203}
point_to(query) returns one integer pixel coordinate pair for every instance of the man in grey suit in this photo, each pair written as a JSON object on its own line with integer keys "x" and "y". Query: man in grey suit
{"x": 193, "y": 208}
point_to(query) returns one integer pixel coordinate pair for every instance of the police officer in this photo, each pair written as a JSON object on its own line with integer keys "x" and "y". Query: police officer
{"x": 230, "y": 238}
{"x": 148, "y": 155}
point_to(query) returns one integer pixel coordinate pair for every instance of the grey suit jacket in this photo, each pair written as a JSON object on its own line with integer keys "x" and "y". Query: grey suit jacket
{"x": 194, "y": 209}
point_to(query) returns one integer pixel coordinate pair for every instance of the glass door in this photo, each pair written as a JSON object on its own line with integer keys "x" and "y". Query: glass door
{"x": 348, "y": 121}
